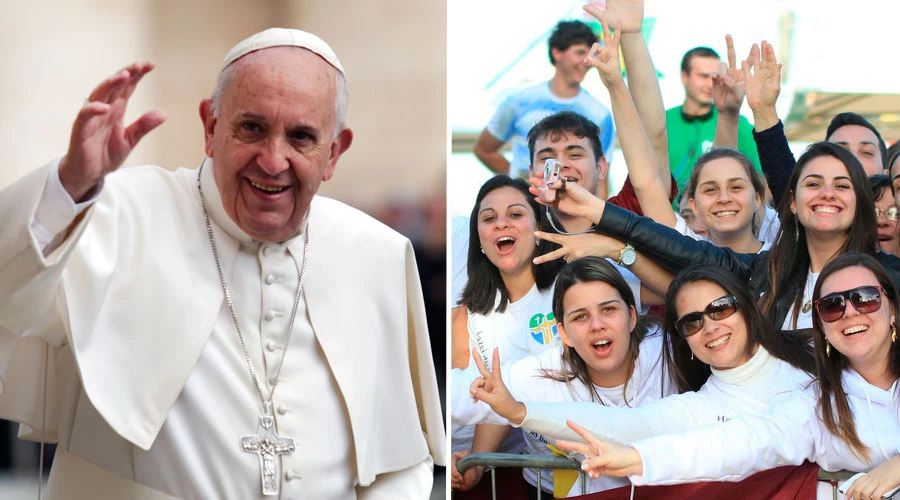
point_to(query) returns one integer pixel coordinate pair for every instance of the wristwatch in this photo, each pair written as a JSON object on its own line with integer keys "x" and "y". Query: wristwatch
{"x": 627, "y": 255}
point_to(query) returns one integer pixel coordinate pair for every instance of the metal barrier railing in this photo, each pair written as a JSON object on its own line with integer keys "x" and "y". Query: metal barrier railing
{"x": 834, "y": 478}
{"x": 494, "y": 460}
{"x": 539, "y": 462}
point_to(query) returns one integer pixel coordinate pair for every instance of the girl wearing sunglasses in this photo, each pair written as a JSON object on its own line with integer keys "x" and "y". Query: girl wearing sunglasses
{"x": 828, "y": 211}
{"x": 610, "y": 357}
{"x": 847, "y": 419}
{"x": 721, "y": 354}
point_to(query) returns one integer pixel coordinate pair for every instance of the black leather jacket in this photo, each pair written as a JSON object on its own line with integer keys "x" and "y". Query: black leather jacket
{"x": 673, "y": 251}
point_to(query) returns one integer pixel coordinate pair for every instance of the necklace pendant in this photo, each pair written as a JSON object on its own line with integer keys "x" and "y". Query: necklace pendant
{"x": 269, "y": 447}
{"x": 806, "y": 307}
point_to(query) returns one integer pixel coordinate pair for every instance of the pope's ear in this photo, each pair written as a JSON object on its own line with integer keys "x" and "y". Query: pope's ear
{"x": 209, "y": 125}
{"x": 339, "y": 146}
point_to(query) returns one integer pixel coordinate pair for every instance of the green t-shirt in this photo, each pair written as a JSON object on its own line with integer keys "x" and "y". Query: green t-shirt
{"x": 690, "y": 138}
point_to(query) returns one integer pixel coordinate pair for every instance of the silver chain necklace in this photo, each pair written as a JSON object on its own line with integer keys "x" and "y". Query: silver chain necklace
{"x": 266, "y": 444}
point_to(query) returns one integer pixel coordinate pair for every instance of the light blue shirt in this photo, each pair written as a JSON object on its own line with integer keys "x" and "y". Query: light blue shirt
{"x": 522, "y": 110}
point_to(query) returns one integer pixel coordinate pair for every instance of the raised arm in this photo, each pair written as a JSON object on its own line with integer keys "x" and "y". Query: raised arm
{"x": 763, "y": 77}
{"x": 642, "y": 80}
{"x": 99, "y": 144}
{"x": 641, "y": 155}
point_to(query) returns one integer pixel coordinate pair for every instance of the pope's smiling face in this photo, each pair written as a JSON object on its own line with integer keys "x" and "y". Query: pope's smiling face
{"x": 273, "y": 139}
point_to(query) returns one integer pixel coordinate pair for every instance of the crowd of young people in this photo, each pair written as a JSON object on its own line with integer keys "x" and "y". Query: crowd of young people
{"x": 778, "y": 340}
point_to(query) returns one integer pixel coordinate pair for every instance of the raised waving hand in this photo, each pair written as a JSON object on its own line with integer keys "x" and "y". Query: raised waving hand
{"x": 100, "y": 140}
{"x": 763, "y": 77}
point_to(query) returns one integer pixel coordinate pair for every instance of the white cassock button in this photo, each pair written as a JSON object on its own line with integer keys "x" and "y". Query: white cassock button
{"x": 270, "y": 279}
{"x": 282, "y": 410}
{"x": 270, "y": 346}
{"x": 270, "y": 315}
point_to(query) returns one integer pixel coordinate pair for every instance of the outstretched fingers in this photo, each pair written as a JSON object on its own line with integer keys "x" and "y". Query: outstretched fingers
{"x": 732, "y": 59}
{"x": 120, "y": 84}
{"x": 143, "y": 125}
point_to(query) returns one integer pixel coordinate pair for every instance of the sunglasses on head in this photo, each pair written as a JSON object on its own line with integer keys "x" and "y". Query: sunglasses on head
{"x": 720, "y": 308}
{"x": 865, "y": 299}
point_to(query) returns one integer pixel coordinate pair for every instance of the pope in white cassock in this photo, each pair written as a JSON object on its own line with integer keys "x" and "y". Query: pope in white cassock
{"x": 221, "y": 332}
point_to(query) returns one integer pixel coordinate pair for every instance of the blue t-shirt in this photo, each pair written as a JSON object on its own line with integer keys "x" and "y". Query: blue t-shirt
{"x": 522, "y": 110}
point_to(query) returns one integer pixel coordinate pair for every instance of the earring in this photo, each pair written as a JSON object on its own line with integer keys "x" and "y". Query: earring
{"x": 796, "y": 229}
{"x": 827, "y": 349}
{"x": 482, "y": 249}
{"x": 692, "y": 355}
{"x": 893, "y": 333}
{"x": 537, "y": 242}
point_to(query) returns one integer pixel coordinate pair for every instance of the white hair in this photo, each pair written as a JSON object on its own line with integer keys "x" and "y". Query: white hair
{"x": 340, "y": 95}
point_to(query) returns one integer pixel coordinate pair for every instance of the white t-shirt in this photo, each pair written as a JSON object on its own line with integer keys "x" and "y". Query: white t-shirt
{"x": 804, "y": 319}
{"x": 526, "y": 381}
{"x": 526, "y": 327}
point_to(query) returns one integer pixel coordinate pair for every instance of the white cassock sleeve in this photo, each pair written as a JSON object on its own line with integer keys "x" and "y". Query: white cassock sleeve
{"x": 734, "y": 450}
{"x": 31, "y": 327}
{"x": 413, "y": 483}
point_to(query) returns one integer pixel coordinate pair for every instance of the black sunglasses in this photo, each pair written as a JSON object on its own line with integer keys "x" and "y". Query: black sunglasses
{"x": 720, "y": 308}
{"x": 865, "y": 299}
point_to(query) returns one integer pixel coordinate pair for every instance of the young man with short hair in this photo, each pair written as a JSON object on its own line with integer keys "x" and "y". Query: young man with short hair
{"x": 692, "y": 126}
{"x": 568, "y": 48}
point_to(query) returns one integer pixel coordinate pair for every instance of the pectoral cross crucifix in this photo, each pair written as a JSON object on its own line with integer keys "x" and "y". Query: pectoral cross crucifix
{"x": 269, "y": 447}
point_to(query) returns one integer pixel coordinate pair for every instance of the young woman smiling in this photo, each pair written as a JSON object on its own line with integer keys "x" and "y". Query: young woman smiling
{"x": 506, "y": 302}
{"x": 610, "y": 357}
{"x": 828, "y": 211}
{"x": 728, "y": 199}
{"x": 721, "y": 355}
{"x": 847, "y": 419}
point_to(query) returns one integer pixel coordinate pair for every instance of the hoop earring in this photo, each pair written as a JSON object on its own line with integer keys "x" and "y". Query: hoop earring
{"x": 893, "y": 333}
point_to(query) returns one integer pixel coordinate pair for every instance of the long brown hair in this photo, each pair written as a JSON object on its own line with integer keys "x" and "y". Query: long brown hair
{"x": 789, "y": 256}
{"x": 690, "y": 375}
{"x": 586, "y": 270}
{"x": 834, "y": 409}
